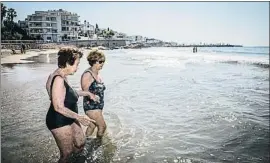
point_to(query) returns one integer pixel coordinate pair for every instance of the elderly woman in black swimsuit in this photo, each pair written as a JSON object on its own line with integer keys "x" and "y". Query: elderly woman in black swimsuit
{"x": 62, "y": 118}
{"x": 91, "y": 81}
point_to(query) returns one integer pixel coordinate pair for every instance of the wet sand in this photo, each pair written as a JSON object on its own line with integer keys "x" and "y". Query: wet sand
{"x": 22, "y": 58}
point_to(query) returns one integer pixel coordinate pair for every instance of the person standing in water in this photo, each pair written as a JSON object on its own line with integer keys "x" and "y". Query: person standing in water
{"x": 91, "y": 81}
{"x": 62, "y": 117}
{"x": 23, "y": 48}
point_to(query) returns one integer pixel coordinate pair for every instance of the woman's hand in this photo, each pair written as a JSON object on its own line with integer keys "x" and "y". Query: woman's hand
{"x": 85, "y": 120}
{"x": 94, "y": 97}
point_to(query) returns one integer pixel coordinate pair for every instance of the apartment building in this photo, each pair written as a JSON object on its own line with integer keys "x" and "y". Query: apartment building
{"x": 86, "y": 30}
{"x": 53, "y": 25}
{"x": 137, "y": 38}
{"x": 119, "y": 35}
{"x": 23, "y": 25}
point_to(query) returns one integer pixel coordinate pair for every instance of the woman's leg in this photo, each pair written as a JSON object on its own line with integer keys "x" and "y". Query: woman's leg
{"x": 78, "y": 137}
{"x": 90, "y": 129}
{"x": 100, "y": 123}
{"x": 64, "y": 140}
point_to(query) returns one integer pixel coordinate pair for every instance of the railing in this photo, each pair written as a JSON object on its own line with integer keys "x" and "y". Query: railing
{"x": 20, "y": 41}
{"x": 44, "y": 45}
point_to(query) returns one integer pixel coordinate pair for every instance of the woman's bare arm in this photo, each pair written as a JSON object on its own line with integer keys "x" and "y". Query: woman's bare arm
{"x": 58, "y": 98}
{"x": 48, "y": 85}
{"x": 82, "y": 93}
{"x": 86, "y": 81}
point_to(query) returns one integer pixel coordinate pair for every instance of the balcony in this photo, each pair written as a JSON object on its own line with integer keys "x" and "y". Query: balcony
{"x": 43, "y": 20}
{"x": 44, "y": 33}
{"x": 41, "y": 27}
{"x": 34, "y": 21}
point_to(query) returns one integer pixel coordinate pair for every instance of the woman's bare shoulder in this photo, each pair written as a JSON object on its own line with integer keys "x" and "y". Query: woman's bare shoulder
{"x": 49, "y": 80}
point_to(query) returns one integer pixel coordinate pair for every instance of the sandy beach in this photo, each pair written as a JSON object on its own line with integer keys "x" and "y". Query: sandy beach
{"x": 20, "y": 58}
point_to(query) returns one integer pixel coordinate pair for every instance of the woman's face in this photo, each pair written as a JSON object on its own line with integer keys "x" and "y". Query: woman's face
{"x": 99, "y": 63}
{"x": 73, "y": 68}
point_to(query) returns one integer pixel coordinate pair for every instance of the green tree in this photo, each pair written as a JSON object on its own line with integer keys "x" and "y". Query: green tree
{"x": 3, "y": 11}
{"x": 11, "y": 14}
{"x": 11, "y": 30}
{"x": 108, "y": 33}
{"x": 111, "y": 33}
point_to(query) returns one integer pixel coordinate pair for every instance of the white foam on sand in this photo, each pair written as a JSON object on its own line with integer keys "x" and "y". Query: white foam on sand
{"x": 19, "y": 58}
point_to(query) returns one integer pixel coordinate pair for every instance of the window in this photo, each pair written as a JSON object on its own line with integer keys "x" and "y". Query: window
{"x": 49, "y": 38}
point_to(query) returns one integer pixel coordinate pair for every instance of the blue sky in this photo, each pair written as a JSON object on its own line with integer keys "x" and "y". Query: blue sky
{"x": 245, "y": 23}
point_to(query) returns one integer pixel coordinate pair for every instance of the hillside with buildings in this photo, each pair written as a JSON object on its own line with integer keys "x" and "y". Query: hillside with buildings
{"x": 58, "y": 26}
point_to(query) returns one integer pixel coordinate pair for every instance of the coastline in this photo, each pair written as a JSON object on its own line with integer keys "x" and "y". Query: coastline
{"x": 22, "y": 58}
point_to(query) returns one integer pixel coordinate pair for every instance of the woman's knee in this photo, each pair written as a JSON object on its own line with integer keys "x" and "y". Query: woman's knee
{"x": 79, "y": 147}
{"x": 65, "y": 153}
{"x": 92, "y": 125}
{"x": 79, "y": 143}
{"x": 101, "y": 129}
{"x": 78, "y": 137}
{"x": 103, "y": 126}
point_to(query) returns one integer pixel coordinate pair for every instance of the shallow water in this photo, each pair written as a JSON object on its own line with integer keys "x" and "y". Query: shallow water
{"x": 161, "y": 105}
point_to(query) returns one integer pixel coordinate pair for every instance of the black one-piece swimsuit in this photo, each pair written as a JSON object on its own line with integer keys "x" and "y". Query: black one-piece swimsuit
{"x": 55, "y": 119}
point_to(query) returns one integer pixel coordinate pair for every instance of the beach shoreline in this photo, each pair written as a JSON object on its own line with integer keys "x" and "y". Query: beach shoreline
{"x": 22, "y": 58}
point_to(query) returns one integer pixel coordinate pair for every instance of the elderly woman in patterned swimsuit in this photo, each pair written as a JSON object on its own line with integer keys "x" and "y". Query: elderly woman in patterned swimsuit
{"x": 91, "y": 81}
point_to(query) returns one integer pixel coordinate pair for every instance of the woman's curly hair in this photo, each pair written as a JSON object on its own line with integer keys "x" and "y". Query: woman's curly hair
{"x": 94, "y": 56}
{"x": 68, "y": 55}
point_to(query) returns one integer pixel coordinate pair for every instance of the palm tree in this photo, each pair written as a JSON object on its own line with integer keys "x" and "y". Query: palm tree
{"x": 3, "y": 12}
{"x": 11, "y": 14}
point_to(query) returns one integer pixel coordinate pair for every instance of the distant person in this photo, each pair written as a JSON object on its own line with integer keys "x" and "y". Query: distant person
{"x": 23, "y": 48}
{"x": 194, "y": 50}
{"x": 13, "y": 51}
{"x": 62, "y": 117}
{"x": 91, "y": 81}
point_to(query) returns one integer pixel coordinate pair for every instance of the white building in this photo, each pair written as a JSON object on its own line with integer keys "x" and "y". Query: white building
{"x": 53, "y": 25}
{"x": 120, "y": 35}
{"x": 137, "y": 38}
{"x": 86, "y": 30}
{"x": 23, "y": 25}
{"x": 152, "y": 40}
